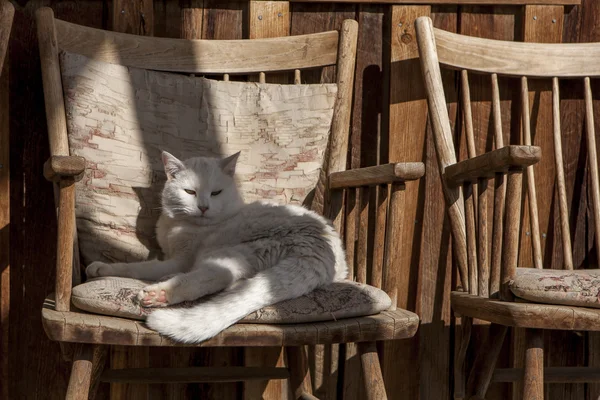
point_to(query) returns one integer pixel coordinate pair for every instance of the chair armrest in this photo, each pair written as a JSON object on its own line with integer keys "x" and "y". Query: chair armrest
{"x": 60, "y": 167}
{"x": 489, "y": 164}
{"x": 378, "y": 175}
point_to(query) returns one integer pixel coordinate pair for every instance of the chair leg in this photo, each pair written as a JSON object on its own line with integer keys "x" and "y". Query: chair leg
{"x": 98, "y": 364}
{"x": 533, "y": 377}
{"x": 459, "y": 363}
{"x": 371, "y": 370}
{"x": 485, "y": 362}
{"x": 297, "y": 361}
{"x": 81, "y": 373}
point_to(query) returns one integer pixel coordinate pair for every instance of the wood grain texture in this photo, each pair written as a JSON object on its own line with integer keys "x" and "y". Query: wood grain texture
{"x": 388, "y": 325}
{"x": 81, "y": 373}
{"x": 551, "y": 374}
{"x": 6, "y": 19}
{"x": 194, "y": 374}
{"x": 377, "y": 175}
{"x": 59, "y": 167}
{"x": 372, "y": 377}
{"x": 489, "y": 164}
{"x": 135, "y": 17}
{"x": 533, "y": 376}
{"x": 406, "y": 143}
{"x": 201, "y": 56}
{"x": 450, "y": 2}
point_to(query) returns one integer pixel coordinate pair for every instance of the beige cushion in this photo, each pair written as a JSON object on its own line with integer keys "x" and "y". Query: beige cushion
{"x": 553, "y": 286}
{"x": 117, "y": 297}
{"x": 120, "y": 118}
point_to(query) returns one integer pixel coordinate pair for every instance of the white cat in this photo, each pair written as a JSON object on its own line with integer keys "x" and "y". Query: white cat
{"x": 257, "y": 254}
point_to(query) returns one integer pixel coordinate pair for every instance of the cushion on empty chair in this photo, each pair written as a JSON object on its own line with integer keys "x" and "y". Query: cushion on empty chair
{"x": 117, "y": 297}
{"x": 552, "y": 286}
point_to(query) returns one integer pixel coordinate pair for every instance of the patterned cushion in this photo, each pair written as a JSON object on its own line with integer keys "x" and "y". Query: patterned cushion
{"x": 346, "y": 299}
{"x": 553, "y": 286}
{"x": 120, "y": 118}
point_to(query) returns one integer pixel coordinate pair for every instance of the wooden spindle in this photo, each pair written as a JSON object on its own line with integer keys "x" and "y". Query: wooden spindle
{"x": 262, "y": 77}
{"x": 533, "y": 208}
{"x": 468, "y": 116}
{"x": 379, "y": 237}
{"x": 363, "y": 235}
{"x": 560, "y": 175}
{"x": 499, "y": 195}
{"x": 350, "y": 232}
{"x": 226, "y": 77}
{"x": 392, "y": 250}
{"x": 471, "y": 238}
{"x": 511, "y": 233}
{"x": 593, "y": 157}
{"x": 297, "y": 80}
{"x": 482, "y": 240}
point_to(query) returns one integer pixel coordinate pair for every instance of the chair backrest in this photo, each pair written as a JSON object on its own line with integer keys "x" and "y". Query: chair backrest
{"x": 488, "y": 249}
{"x": 94, "y": 76}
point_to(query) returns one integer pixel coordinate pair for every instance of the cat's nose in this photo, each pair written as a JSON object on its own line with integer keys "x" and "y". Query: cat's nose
{"x": 203, "y": 209}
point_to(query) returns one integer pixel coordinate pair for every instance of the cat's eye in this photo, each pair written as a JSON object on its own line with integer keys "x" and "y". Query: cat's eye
{"x": 188, "y": 191}
{"x": 216, "y": 193}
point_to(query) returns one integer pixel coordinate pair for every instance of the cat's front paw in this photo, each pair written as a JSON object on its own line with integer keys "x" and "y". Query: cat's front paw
{"x": 98, "y": 268}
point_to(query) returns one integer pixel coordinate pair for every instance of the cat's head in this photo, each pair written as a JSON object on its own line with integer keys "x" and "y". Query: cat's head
{"x": 201, "y": 188}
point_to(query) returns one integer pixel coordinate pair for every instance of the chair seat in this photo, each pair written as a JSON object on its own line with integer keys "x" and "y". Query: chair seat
{"x": 553, "y": 286}
{"x": 526, "y": 315}
{"x": 80, "y": 327}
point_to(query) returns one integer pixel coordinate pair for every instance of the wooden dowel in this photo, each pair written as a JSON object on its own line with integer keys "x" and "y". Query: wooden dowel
{"x": 471, "y": 237}
{"x": 297, "y": 78}
{"x": 533, "y": 208}
{"x": 351, "y": 230}
{"x": 533, "y": 377}
{"x": 466, "y": 102}
{"x": 560, "y": 175}
{"x": 482, "y": 242}
{"x": 499, "y": 195}
{"x": 363, "y": 235}
{"x": 511, "y": 233}
{"x": 593, "y": 157}
{"x": 226, "y": 77}
{"x": 459, "y": 361}
{"x": 371, "y": 369}
{"x": 379, "y": 238}
{"x": 262, "y": 77}
{"x": 389, "y": 283}
{"x": 64, "y": 260}
{"x": 81, "y": 373}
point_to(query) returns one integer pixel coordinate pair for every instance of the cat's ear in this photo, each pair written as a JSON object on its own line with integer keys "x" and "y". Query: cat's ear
{"x": 228, "y": 164}
{"x": 172, "y": 165}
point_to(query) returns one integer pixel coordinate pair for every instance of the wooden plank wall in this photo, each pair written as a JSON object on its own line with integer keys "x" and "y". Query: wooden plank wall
{"x": 388, "y": 123}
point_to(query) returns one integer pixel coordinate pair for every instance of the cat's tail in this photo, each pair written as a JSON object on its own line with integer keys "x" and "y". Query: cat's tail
{"x": 287, "y": 280}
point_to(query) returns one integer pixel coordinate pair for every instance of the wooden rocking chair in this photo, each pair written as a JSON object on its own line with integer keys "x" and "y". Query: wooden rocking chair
{"x": 546, "y": 298}
{"x": 94, "y": 333}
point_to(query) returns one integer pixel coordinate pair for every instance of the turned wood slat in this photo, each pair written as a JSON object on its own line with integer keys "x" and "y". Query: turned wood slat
{"x": 531, "y": 190}
{"x": 533, "y": 377}
{"x": 371, "y": 369}
{"x": 226, "y": 77}
{"x": 593, "y": 157}
{"x": 363, "y": 234}
{"x": 560, "y": 176}
{"x": 81, "y": 373}
{"x": 262, "y": 77}
{"x": 66, "y": 231}
{"x": 379, "y": 236}
{"x": 471, "y": 237}
{"x": 499, "y": 194}
{"x": 389, "y": 283}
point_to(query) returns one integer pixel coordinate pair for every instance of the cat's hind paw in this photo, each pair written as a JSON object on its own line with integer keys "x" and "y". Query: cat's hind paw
{"x": 98, "y": 268}
{"x": 151, "y": 296}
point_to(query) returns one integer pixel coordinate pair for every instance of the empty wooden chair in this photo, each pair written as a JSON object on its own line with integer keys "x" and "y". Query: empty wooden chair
{"x": 487, "y": 245}
{"x": 113, "y": 100}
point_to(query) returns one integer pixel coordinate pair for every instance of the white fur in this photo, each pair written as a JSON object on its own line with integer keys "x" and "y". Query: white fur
{"x": 254, "y": 254}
